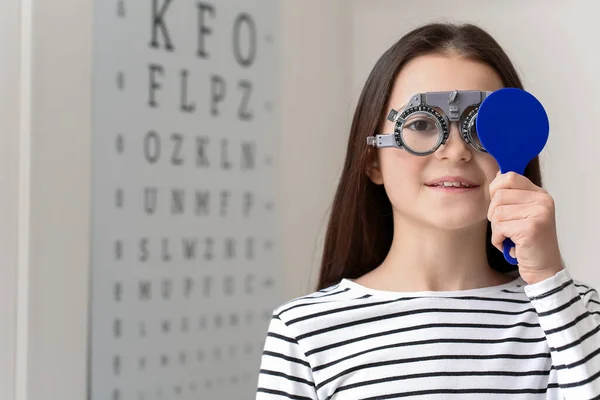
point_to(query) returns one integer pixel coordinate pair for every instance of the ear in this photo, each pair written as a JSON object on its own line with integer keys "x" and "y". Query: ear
{"x": 373, "y": 171}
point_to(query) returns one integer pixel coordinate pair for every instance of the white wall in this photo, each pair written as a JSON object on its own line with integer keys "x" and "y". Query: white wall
{"x": 60, "y": 199}
{"x": 317, "y": 112}
{"x": 9, "y": 181}
{"x": 44, "y": 207}
{"x": 552, "y": 46}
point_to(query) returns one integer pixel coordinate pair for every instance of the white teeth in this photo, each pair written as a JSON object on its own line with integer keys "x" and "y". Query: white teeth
{"x": 454, "y": 184}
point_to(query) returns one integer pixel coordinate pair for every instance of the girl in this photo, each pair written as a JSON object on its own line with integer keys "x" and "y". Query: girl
{"x": 414, "y": 299}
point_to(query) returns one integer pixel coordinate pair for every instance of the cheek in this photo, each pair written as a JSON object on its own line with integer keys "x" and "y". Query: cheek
{"x": 489, "y": 167}
{"x": 402, "y": 172}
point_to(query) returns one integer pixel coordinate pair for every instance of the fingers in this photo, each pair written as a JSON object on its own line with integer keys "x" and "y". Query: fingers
{"x": 533, "y": 203}
{"x": 522, "y": 231}
{"x": 512, "y": 180}
{"x": 525, "y": 213}
{"x": 513, "y": 212}
{"x": 506, "y": 197}
{"x": 503, "y": 230}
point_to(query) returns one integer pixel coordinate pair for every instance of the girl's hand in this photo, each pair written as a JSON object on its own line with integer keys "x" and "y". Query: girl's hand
{"x": 524, "y": 212}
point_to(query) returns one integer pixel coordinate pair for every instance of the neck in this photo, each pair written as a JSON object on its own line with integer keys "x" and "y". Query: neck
{"x": 426, "y": 258}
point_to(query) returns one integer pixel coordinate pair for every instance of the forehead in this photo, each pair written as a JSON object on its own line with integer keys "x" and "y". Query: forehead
{"x": 437, "y": 73}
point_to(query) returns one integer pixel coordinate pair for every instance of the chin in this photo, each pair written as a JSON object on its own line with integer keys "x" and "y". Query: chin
{"x": 455, "y": 222}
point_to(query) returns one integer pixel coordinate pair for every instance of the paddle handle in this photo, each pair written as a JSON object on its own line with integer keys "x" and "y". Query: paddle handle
{"x": 508, "y": 243}
{"x": 507, "y": 246}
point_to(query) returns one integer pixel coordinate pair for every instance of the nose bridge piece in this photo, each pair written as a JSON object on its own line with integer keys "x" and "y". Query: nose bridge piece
{"x": 453, "y": 106}
{"x": 454, "y": 135}
{"x": 452, "y": 126}
{"x": 454, "y": 103}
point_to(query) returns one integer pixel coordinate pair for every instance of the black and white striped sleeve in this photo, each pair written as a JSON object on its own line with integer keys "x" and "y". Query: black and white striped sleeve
{"x": 569, "y": 314}
{"x": 284, "y": 371}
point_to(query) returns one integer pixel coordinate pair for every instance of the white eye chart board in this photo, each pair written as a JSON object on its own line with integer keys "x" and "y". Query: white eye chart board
{"x": 184, "y": 235}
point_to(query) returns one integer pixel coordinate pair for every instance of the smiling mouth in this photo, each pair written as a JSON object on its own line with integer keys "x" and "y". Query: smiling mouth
{"x": 452, "y": 185}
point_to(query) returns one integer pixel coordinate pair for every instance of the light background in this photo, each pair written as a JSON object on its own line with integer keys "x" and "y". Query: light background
{"x": 327, "y": 51}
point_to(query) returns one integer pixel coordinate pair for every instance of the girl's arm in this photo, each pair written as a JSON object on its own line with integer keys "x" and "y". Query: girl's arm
{"x": 569, "y": 314}
{"x": 284, "y": 372}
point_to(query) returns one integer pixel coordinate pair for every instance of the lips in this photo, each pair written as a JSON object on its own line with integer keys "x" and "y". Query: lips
{"x": 452, "y": 181}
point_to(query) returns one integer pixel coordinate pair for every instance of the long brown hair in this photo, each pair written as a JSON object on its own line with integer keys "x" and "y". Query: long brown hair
{"x": 360, "y": 228}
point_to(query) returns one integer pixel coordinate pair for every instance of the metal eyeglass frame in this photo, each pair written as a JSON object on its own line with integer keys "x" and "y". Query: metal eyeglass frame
{"x": 453, "y": 105}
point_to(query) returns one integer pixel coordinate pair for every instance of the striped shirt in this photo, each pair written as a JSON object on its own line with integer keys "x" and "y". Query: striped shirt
{"x": 511, "y": 341}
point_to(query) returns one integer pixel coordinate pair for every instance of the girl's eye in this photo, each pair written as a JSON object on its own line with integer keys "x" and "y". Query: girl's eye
{"x": 422, "y": 125}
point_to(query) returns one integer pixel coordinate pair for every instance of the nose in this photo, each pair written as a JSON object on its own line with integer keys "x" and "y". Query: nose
{"x": 455, "y": 149}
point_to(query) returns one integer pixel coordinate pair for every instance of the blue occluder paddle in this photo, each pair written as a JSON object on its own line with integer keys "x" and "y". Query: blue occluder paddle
{"x": 513, "y": 127}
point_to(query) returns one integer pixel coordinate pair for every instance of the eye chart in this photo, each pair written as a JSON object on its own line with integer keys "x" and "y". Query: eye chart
{"x": 185, "y": 245}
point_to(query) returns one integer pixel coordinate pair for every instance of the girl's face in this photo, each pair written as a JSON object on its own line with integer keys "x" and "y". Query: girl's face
{"x": 410, "y": 180}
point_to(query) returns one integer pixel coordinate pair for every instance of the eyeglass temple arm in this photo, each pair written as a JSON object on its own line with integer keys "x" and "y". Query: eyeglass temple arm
{"x": 388, "y": 140}
{"x": 382, "y": 140}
